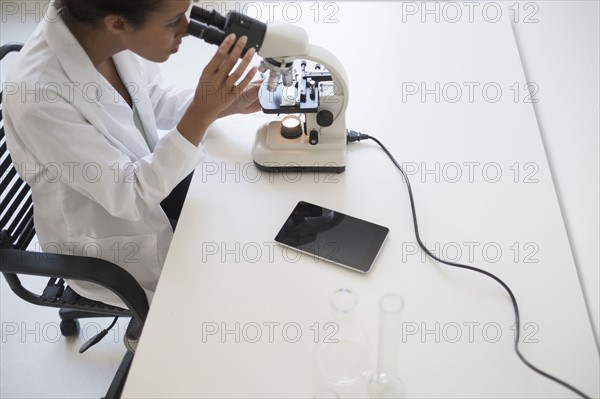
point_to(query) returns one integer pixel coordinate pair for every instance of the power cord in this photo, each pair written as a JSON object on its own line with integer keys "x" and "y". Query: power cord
{"x": 352, "y": 136}
{"x": 98, "y": 337}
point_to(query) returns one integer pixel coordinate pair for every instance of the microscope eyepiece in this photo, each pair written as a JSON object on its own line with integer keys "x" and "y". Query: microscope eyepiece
{"x": 211, "y": 18}
{"x": 213, "y": 28}
{"x": 209, "y": 34}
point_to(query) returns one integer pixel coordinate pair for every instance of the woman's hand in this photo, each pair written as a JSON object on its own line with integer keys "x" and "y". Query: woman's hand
{"x": 217, "y": 93}
{"x": 247, "y": 103}
{"x": 217, "y": 90}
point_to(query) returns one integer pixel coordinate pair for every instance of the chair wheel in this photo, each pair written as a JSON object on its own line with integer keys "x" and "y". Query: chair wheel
{"x": 69, "y": 328}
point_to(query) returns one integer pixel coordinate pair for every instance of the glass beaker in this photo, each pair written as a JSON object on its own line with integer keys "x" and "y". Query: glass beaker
{"x": 344, "y": 357}
{"x": 386, "y": 383}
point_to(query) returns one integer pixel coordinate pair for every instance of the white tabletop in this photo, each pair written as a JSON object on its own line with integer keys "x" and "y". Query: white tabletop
{"x": 484, "y": 195}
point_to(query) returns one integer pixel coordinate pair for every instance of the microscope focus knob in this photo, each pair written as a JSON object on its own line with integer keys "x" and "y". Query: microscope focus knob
{"x": 324, "y": 118}
{"x": 313, "y": 137}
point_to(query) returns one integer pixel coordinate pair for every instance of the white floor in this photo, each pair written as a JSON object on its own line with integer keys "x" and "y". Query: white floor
{"x": 561, "y": 46}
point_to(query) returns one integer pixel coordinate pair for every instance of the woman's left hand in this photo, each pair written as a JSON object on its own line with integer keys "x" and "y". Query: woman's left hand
{"x": 247, "y": 102}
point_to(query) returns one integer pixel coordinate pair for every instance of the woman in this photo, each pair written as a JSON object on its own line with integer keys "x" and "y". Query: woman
{"x": 82, "y": 128}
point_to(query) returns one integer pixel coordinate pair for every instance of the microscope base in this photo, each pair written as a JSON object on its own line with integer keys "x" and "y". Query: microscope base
{"x": 274, "y": 153}
{"x": 289, "y": 168}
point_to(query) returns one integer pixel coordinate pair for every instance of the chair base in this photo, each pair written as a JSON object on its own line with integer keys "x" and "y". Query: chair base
{"x": 69, "y": 324}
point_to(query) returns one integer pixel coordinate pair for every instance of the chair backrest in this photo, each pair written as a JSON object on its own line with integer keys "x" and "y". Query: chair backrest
{"x": 16, "y": 206}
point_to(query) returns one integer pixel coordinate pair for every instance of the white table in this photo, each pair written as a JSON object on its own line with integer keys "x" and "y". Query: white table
{"x": 492, "y": 201}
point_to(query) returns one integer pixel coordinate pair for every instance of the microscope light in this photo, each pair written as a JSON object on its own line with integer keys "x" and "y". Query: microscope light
{"x": 291, "y": 127}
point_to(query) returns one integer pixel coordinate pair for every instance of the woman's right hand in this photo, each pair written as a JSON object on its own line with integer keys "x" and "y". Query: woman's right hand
{"x": 217, "y": 89}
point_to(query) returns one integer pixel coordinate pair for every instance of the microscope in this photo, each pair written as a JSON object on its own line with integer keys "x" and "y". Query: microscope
{"x": 304, "y": 81}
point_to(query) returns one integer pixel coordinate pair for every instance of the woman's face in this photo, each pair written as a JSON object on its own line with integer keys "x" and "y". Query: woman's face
{"x": 161, "y": 33}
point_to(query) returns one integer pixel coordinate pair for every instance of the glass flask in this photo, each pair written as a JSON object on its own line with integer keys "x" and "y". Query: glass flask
{"x": 344, "y": 355}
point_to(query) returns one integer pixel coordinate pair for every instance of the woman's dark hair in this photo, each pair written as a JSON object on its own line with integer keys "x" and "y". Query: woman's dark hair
{"x": 93, "y": 11}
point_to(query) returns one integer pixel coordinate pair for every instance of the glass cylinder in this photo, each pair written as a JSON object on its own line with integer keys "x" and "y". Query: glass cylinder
{"x": 386, "y": 383}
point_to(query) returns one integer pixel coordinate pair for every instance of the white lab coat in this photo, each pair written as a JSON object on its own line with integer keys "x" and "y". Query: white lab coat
{"x": 96, "y": 185}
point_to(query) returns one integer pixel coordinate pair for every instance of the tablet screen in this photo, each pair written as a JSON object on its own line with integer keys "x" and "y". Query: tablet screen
{"x": 333, "y": 236}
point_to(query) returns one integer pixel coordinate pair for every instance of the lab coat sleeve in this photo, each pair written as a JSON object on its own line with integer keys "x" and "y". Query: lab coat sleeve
{"x": 63, "y": 147}
{"x": 169, "y": 102}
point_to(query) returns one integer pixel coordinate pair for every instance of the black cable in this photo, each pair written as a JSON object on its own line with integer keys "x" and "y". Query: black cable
{"x": 356, "y": 136}
{"x": 97, "y": 338}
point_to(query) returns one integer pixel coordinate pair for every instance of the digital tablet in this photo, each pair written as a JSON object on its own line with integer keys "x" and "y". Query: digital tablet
{"x": 333, "y": 236}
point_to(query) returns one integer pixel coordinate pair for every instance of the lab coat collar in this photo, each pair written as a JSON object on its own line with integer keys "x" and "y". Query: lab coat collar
{"x": 72, "y": 57}
{"x": 96, "y": 89}
{"x": 128, "y": 65}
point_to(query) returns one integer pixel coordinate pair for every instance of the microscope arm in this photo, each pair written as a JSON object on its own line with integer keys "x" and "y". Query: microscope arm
{"x": 338, "y": 73}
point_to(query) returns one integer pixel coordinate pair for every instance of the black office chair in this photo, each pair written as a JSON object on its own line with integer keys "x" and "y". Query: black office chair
{"x": 17, "y": 232}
